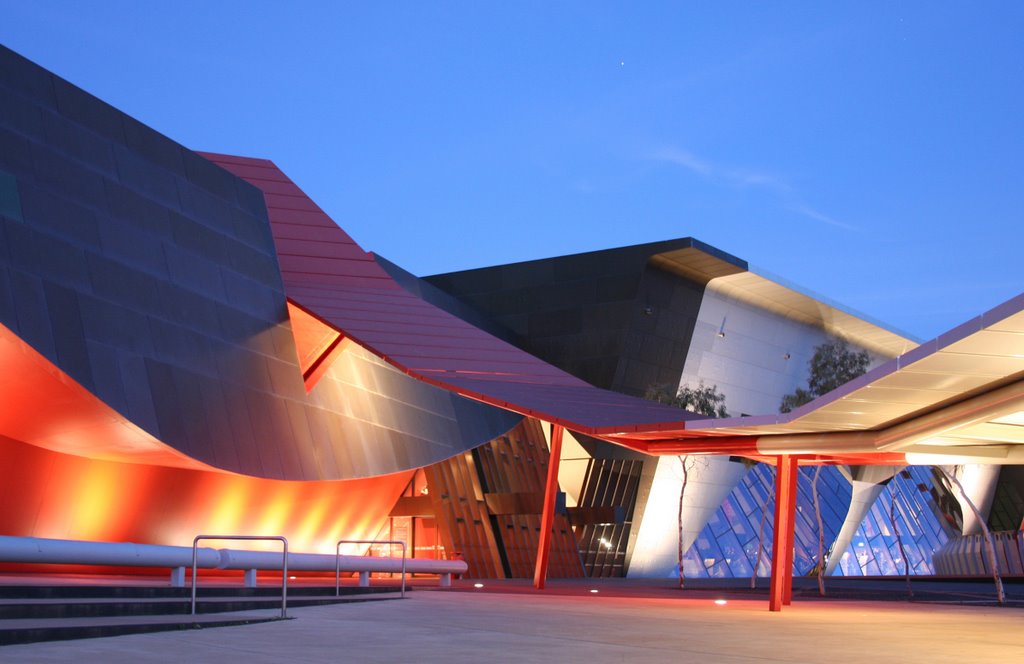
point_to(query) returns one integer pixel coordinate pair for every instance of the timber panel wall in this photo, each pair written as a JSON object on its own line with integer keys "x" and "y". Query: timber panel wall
{"x": 508, "y": 475}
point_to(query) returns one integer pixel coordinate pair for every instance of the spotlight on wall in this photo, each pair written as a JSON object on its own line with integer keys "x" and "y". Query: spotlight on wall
{"x": 648, "y": 311}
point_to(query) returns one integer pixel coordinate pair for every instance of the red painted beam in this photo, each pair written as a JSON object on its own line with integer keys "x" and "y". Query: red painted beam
{"x": 782, "y": 541}
{"x": 547, "y": 517}
{"x": 733, "y": 445}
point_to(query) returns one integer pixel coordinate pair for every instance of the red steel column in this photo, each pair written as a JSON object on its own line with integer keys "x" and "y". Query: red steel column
{"x": 782, "y": 539}
{"x": 547, "y": 517}
{"x": 794, "y": 476}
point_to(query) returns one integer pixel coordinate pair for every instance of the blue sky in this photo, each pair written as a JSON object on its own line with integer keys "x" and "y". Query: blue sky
{"x": 872, "y": 152}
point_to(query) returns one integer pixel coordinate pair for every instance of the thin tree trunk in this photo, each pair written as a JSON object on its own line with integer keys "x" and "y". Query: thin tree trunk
{"x": 990, "y": 548}
{"x": 682, "y": 493}
{"x": 899, "y": 537}
{"x": 760, "y": 539}
{"x": 821, "y": 532}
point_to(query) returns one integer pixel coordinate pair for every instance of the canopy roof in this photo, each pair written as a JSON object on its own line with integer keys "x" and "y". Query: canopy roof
{"x": 959, "y": 396}
{"x": 327, "y": 274}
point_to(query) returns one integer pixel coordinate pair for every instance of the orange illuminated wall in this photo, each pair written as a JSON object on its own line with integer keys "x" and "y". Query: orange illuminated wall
{"x": 49, "y": 494}
{"x": 316, "y": 343}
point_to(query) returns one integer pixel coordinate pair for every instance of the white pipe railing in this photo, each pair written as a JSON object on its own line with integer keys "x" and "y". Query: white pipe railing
{"x": 178, "y": 558}
{"x": 284, "y": 563}
{"x": 337, "y": 561}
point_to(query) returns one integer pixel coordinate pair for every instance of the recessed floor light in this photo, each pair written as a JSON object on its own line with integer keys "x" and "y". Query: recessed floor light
{"x": 720, "y": 602}
{"x": 478, "y": 585}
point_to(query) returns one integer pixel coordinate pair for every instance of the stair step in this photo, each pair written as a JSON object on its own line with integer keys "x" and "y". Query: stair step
{"x": 13, "y": 609}
{"x": 57, "y": 612}
{"x": 100, "y": 591}
{"x": 59, "y": 629}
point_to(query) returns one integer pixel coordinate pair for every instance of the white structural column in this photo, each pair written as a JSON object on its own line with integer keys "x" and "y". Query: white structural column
{"x": 980, "y": 484}
{"x": 868, "y": 483}
{"x": 711, "y": 480}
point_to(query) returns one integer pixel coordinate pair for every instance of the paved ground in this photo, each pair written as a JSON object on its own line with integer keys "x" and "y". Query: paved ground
{"x": 621, "y": 623}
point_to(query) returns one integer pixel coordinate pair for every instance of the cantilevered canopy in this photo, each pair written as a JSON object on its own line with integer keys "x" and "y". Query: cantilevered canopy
{"x": 959, "y": 396}
{"x": 956, "y": 399}
{"x": 328, "y": 275}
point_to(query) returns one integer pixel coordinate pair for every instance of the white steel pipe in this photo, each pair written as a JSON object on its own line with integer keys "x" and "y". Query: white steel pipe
{"x": 323, "y": 562}
{"x": 77, "y": 552}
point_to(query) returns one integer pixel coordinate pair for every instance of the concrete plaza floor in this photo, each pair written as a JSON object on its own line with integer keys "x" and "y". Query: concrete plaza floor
{"x": 620, "y": 623}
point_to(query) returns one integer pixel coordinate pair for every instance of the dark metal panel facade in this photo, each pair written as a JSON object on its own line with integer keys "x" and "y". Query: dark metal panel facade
{"x": 149, "y": 276}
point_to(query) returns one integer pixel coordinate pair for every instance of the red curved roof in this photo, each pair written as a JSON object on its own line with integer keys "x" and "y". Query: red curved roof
{"x": 328, "y": 274}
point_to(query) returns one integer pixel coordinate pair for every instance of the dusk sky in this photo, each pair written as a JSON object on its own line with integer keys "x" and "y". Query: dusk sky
{"x": 871, "y": 152}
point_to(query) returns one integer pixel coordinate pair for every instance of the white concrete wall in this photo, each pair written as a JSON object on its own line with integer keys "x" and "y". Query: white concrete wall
{"x": 709, "y": 482}
{"x": 762, "y": 357}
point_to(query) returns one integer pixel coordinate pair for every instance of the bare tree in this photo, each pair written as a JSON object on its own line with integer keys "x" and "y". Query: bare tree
{"x": 705, "y": 400}
{"x": 990, "y": 549}
{"x": 821, "y": 532}
{"x": 688, "y": 463}
{"x": 899, "y": 537}
{"x": 682, "y": 493}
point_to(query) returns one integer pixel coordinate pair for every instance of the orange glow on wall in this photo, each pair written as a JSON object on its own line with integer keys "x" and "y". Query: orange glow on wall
{"x": 41, "y": 405}
{"x": 316, "y": 342}
{"x": 48, "y": 494}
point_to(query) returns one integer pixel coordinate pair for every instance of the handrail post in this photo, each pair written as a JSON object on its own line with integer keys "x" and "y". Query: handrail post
{"x": 337, "y": 560}
{"x": 284, "y": 563}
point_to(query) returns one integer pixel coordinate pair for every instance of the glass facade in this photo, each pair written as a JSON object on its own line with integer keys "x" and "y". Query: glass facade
{"x": 727, "y": 547}
{"x": 875, "y": 550}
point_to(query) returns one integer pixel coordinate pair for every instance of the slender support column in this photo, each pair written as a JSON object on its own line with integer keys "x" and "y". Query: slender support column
{"x": 782, "y": 540}
{"x": 794, "y": 477}
{"x": 547, "y": 517}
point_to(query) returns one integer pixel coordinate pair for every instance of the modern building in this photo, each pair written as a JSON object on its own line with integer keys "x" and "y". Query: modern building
{"x": 190, "y": 344}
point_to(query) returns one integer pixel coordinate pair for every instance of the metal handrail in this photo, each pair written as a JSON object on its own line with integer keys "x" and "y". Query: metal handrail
{"x": 337, "y": 561}
{"x": 284, "y": 563}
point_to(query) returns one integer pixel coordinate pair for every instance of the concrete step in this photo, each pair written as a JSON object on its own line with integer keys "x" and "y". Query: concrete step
{"x": 71, "y": 591}
{"x": 50, "y": 613}
{"x": 93, "y": 607}
{"x": 58, "y": 629}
